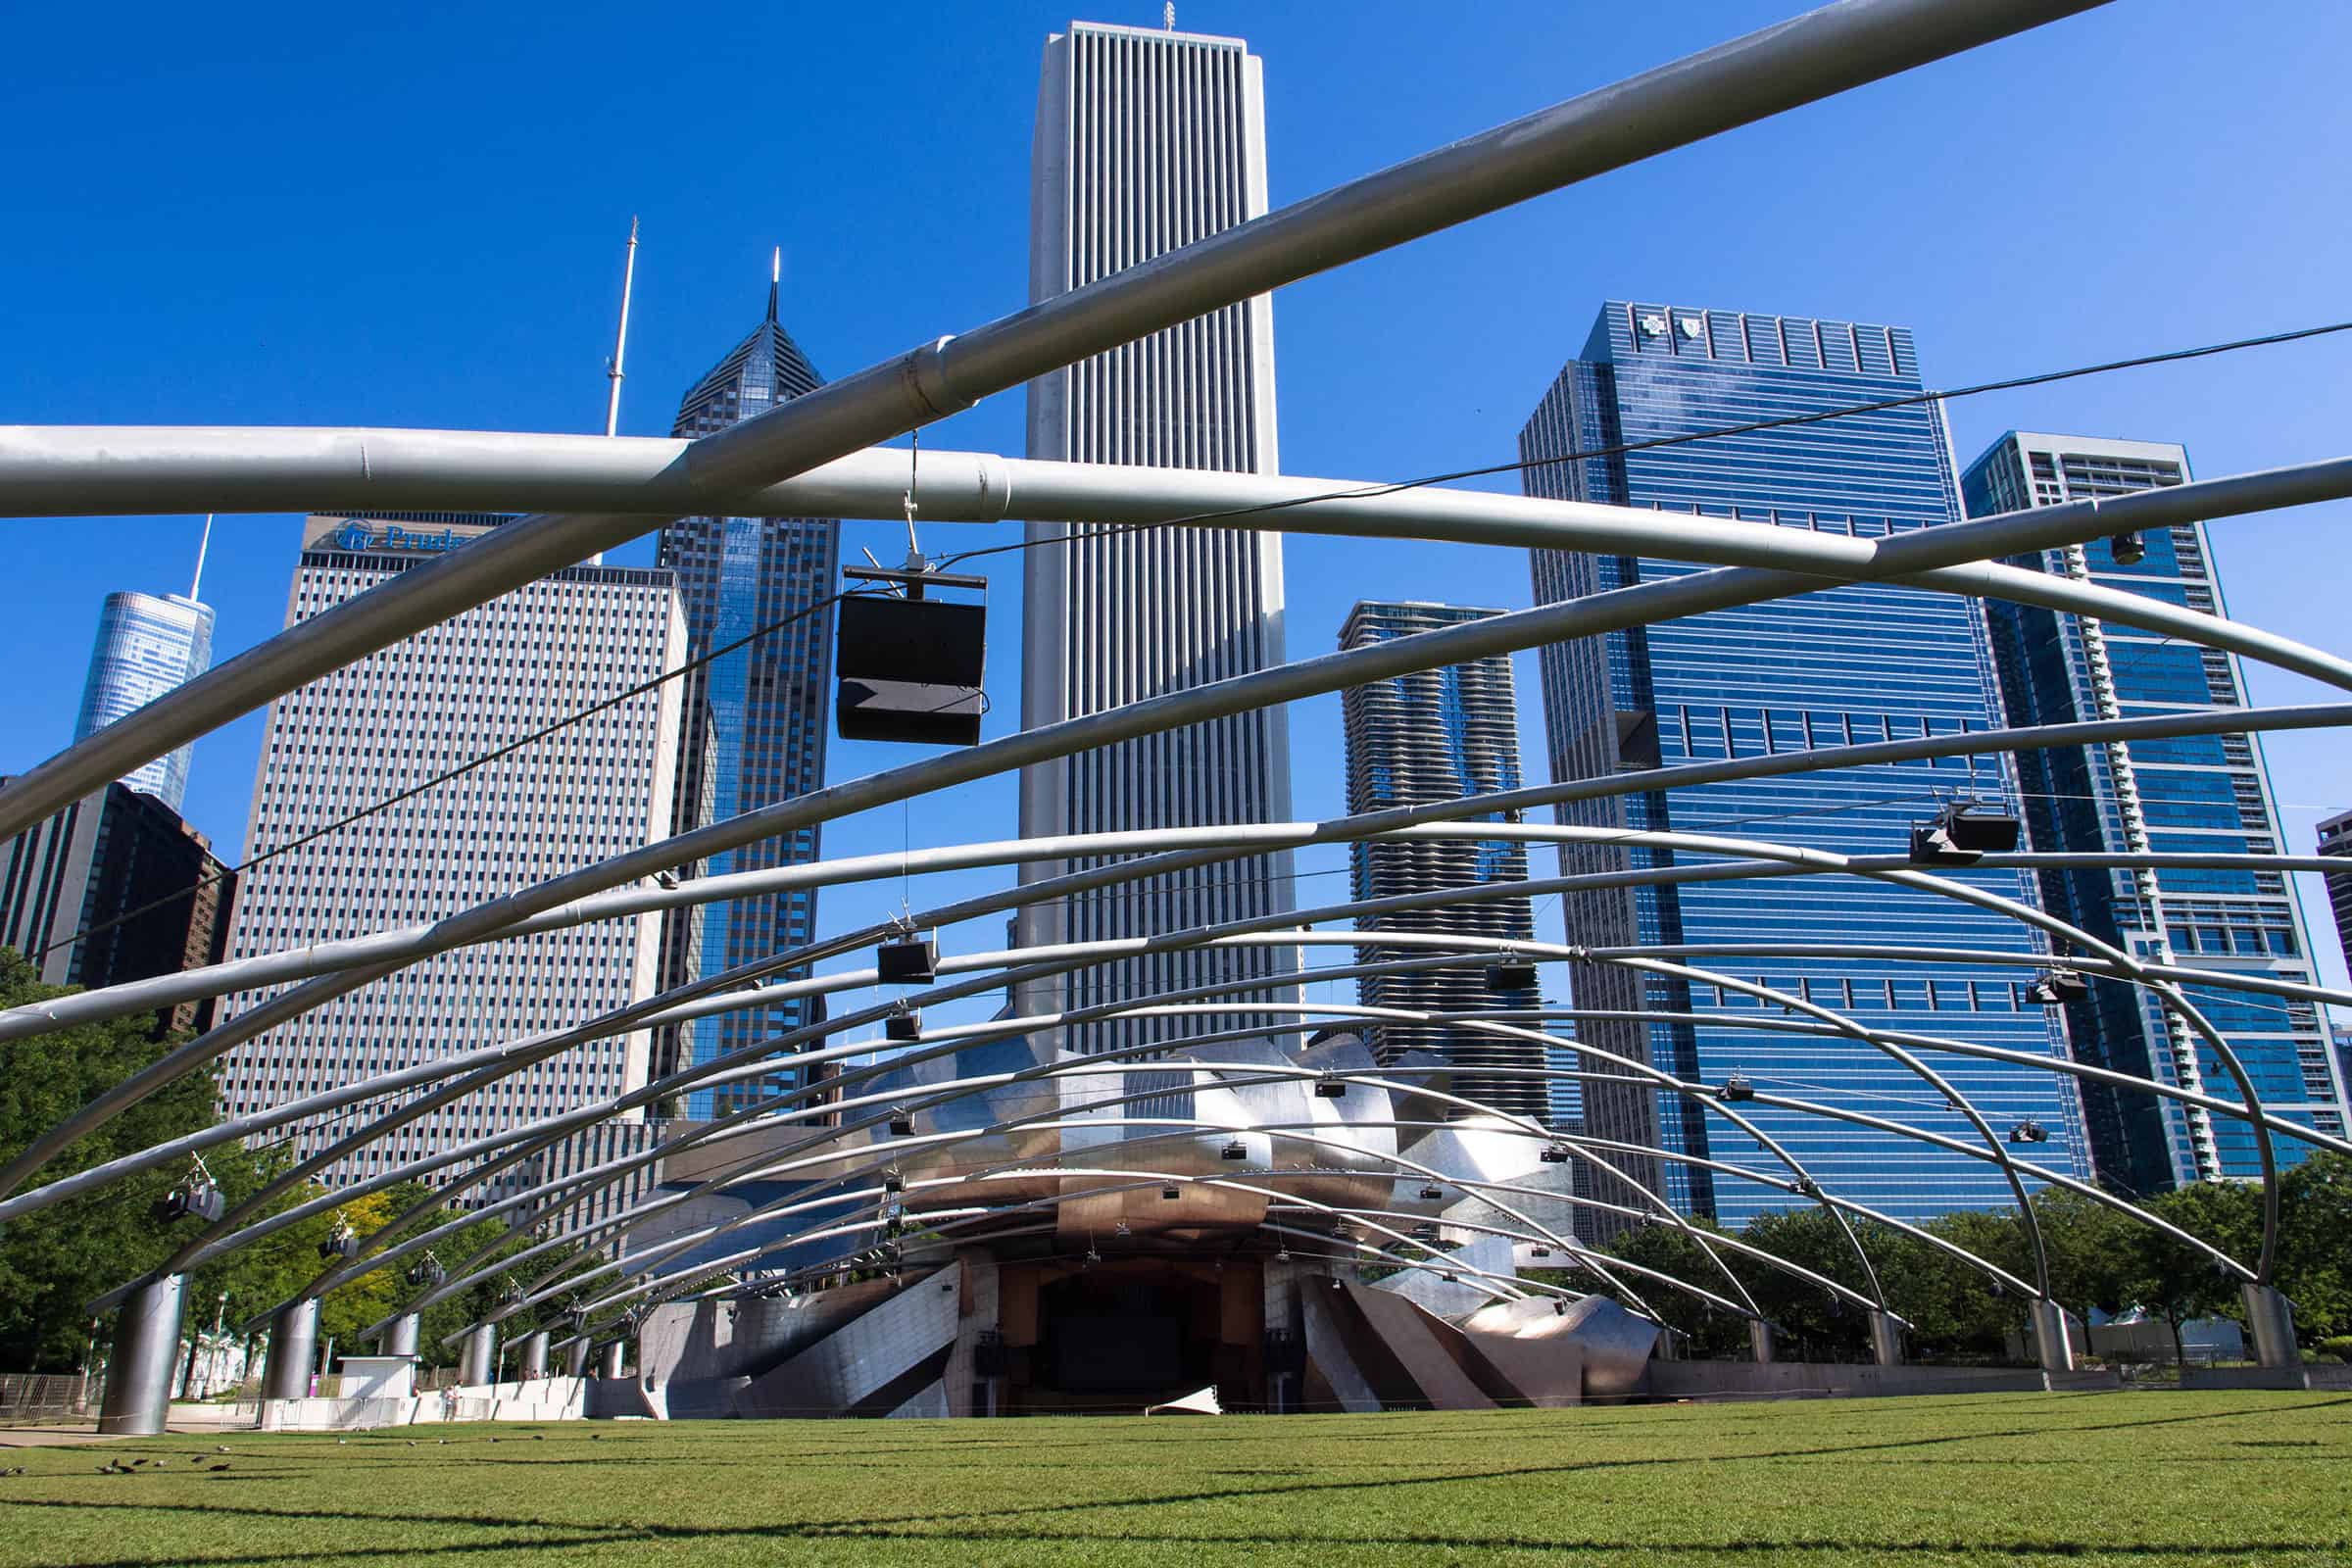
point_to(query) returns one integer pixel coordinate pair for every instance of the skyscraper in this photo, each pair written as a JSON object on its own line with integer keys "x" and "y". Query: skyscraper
{"x": 2191, "y": 793}
{"x": 580, "y": 637}
{"x": 2335, "y": 838}
{"x": 755, "y": 715}
{"x": 1438, "y": 735}
{"x": 97, "y": 866}
{"x": 1146, "y": 141}
{"x": 147, "y": 645}
{"x": 1845, "y": 665}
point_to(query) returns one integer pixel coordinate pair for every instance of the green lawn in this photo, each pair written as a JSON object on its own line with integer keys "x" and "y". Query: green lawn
{"x": 2118, "y": 1478}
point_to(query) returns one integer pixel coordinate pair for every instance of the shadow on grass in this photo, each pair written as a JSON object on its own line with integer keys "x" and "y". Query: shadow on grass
{"x": 942, "y": 1528}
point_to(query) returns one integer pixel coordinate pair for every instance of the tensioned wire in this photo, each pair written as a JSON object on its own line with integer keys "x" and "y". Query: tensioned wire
{"x": 1393, "y": 487}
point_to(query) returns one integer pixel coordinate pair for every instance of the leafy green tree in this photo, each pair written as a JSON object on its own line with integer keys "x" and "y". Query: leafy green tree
{"x": 2315, "y": 1244}
{"x": 55, "y": 1261}
{"x": 2174, "y": 1279}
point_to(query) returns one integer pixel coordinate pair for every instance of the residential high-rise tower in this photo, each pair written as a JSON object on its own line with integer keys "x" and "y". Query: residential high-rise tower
{"x": 755, "y": 715}
{"x": 2189, "y": 793}
{"x": 1438, "y": 735}
{"x": 1146, "y": 141}
{"x": 1841, "y": 665}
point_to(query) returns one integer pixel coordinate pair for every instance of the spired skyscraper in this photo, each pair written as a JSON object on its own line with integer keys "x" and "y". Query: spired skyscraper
{"x": 1847, "y": 664}
{"x": 2193, "y": 793}
{"x": 755, "y": 715}
{"x": 1146, "y": 141}
{"x": 147, "y": 645}
{"x": 1438, "y": 735}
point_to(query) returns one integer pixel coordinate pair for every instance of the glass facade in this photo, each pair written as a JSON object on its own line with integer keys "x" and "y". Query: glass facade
{"x": 761, "y": 708}
{"x": 2205, "y": 792}
{"x": 147, "y": 645}
{"x": 1848, "y": 665}
{"x": 1438, "y": 735}
{"x": 2335, "y": 838}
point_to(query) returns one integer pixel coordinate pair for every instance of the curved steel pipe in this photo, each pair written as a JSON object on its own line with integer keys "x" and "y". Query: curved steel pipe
{"x": 1733, "y": 83}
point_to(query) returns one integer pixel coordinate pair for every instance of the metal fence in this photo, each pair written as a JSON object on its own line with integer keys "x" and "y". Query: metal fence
{"x": 35, "y": 1398}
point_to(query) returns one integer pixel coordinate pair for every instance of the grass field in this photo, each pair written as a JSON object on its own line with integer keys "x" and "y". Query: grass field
{"x": 2119, "y": 1477}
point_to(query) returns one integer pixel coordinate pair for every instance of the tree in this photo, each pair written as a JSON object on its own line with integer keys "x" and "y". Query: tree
{"x": 2175, "y": 1279}
{"x": 2315, "y": 1244}
{"x": 55, "y": 1261}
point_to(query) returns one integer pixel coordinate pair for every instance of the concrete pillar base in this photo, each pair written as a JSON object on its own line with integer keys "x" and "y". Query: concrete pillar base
{"x": 138, "y": 1375}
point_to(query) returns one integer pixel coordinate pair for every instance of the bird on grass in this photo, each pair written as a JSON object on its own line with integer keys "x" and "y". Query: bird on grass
{"x": 219, "y": 1467}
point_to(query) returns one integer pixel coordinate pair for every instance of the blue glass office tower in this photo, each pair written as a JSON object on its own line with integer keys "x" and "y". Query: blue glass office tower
{"x": 147, "y": 645}
{"x": 756, "y": 724}
{"x": 2194, "y": 793}
{"x": 1852, "y": 663}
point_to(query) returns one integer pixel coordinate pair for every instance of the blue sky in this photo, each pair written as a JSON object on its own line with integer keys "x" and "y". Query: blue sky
{"x": 414, "y": 215}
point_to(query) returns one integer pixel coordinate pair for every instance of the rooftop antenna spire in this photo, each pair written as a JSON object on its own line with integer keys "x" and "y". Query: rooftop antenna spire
{"x": 204, "y": 542}
{"x": 613, "y": 373}
{"x": 1168, "y": 14}
{"x": 620, "y": 337}
{"x": 775, "y": 281}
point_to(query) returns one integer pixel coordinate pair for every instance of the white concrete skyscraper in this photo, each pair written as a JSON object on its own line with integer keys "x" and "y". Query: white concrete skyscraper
{"x": 389, "y": 723}
{"x": 1146, "y": 141}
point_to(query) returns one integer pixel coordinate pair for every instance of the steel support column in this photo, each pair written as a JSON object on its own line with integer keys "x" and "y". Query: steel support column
{"x": 575, "y": 1358}
{"x": 613, "y": 1360}
{"x": 2053, "y": 1343}
{"x": 1759, "y": 1341}
{"x": 480, "y": 1362}
{"x": 2272, "y": 1319}
{"x": 138, "y": 1374}
{"x": 534, "y": 1356}
{"x": 401, "y": 1338}
{"x": 1886, "y": 1338}
{"x": 293, "y": 1348}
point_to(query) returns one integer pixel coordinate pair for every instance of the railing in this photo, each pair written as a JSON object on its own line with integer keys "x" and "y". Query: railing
{"x": 35, "y": 1398}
